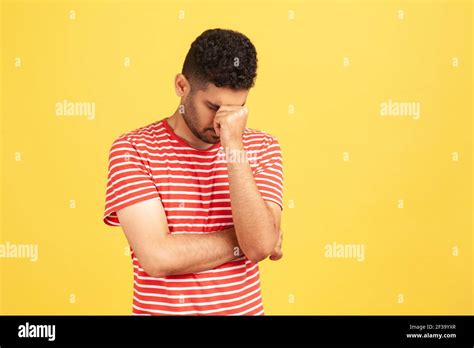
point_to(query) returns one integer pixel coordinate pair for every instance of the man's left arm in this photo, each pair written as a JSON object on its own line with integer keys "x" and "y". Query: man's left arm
{"x": 256, "y": 221}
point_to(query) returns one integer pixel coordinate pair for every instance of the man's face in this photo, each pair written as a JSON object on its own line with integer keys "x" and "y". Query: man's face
{"x": 200, "y": 109}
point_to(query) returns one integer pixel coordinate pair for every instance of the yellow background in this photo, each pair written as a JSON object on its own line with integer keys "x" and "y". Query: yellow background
{"x": 83, "y": 267}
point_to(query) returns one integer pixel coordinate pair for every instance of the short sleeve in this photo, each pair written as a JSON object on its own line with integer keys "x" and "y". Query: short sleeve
{"x": 269, "y": 174}
{"x": 129, "y": 180}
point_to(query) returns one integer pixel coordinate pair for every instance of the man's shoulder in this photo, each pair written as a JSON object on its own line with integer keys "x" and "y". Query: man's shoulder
{"x": 142, "y": 135}
{"x": 257, "y": 137}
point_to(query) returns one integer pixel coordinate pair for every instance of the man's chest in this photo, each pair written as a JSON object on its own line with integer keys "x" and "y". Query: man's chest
{"x": 194, "y": 190}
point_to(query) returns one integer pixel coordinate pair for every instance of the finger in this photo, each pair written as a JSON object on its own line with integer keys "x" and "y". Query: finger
{"x": 277, "y": 256}
{"x": 241, "y": 110}
{"x": 217, "y": 126}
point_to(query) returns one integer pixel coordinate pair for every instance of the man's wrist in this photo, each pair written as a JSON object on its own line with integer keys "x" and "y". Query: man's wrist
{"x": 235, "y": 153}
{"x": 234, "y": 145}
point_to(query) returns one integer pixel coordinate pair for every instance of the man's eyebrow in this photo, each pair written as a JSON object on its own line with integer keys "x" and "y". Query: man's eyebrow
{"x": 218, "y": 106}
{"x": 213, "y": 105}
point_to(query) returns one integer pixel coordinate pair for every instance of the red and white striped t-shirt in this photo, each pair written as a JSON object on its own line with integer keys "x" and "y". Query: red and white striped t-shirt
{"x": 153, "y": 162}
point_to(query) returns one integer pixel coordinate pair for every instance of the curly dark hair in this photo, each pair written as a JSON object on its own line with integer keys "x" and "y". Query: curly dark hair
{"x": 223, "y": 57}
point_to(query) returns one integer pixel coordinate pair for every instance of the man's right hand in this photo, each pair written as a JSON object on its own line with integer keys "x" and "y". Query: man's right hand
{"x": 277, "y": 253}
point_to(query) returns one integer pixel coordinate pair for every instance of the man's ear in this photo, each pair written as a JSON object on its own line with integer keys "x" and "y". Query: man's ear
{"x": 181, "y": 85}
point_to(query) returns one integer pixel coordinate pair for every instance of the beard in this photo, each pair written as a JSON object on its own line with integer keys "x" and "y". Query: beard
{"x": 190, "y": 117}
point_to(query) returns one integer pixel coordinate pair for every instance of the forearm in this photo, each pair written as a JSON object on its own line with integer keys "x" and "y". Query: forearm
{"x": 253, "y": 221}
{"x": 191, "y": 253}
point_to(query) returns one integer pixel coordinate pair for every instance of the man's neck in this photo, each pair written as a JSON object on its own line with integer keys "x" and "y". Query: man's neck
{"x": 182, "y": 130}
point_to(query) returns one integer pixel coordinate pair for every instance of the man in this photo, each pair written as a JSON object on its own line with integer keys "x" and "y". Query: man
{"x": 198, "y": 194}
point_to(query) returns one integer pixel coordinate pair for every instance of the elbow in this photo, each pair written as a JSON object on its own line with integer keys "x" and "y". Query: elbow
{"x": 257, "y": 254}
{"x": 157, "y": 272}
{"x": 256, "y": 257}
{"x": 260, "y": 252}
{"x": 156, "y": 266}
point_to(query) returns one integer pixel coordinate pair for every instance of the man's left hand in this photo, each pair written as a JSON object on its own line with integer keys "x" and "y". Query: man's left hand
{"x": 229, "y": 123}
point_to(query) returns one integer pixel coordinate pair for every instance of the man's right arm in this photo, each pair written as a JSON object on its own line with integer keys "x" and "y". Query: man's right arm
{"x": 161, "y": 253}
